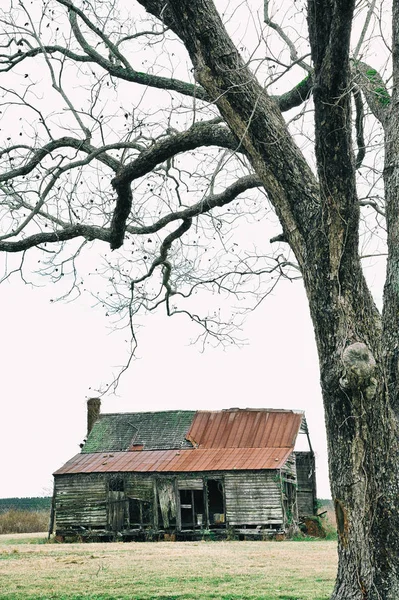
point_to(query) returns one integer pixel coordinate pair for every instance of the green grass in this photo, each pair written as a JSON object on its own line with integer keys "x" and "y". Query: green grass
{"x": 17, "y": 541}
{"x": 166, "y": 570}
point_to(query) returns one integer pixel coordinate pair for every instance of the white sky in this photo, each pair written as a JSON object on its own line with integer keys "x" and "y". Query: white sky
{"x": 51, "y": 354}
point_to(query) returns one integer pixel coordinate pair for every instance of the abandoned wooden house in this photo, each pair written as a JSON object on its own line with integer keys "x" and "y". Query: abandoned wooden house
{"x": 185, "y": 474}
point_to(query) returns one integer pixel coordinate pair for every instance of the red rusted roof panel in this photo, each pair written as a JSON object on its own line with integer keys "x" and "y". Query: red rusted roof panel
{"x": 206, "y": 459}
{"x": 245, "y": 429}
{"x": 249, "y": 439}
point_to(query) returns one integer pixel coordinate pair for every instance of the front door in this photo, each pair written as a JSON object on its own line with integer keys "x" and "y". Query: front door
{"x": 116, "y": 510}
{"x": 116, "y": 504}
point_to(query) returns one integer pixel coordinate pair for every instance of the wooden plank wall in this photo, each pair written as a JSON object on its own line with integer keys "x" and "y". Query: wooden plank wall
{"x": 140, "y": 486}
{"x": 306, "y": 477}
{"x": 253, "y": 498}
{"x": 81, "y": 500}
{"x": 194, "y": 483}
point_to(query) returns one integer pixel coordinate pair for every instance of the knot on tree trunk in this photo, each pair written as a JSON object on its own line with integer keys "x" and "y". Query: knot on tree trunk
{"x": 359, "y": 370}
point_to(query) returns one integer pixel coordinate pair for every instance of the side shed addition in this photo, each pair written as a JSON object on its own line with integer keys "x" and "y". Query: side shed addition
{"x": 184, "y": 474}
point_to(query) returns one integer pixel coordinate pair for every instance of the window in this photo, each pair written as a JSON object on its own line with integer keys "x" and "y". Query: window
{"x": 139, "y": 512}
{"x": 116, "y": 483}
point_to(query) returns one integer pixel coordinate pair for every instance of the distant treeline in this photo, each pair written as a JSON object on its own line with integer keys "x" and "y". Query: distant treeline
{"x": 30, "y": 504}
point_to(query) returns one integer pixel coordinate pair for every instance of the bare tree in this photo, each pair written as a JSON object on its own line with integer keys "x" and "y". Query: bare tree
{"x": 148, "y": 130}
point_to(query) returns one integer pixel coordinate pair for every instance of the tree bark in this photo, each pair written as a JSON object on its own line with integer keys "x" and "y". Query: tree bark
{"x": 362, "y": 429}
{"x": 362, "y": 434}
{"x": 320, "y": 220}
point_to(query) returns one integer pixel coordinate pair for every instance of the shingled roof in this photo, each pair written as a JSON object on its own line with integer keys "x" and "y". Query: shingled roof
{"x": 164, "y": 430}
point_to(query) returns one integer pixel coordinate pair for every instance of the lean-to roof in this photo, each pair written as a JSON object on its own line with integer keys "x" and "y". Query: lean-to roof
{"x": 178, "y": 461}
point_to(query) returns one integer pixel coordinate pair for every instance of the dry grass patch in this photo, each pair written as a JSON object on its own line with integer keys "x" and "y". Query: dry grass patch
{"x": 173, "y": 571}
{"x": 23, "y": 521}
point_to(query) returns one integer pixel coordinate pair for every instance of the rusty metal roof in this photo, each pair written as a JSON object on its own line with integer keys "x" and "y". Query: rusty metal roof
{"x": 195, "y": 460}
{"x": 243, "y": 439}
{"x": 246, "y": 428}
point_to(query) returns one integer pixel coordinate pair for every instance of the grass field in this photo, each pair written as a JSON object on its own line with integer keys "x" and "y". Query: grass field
{"x": 31, "y": 569}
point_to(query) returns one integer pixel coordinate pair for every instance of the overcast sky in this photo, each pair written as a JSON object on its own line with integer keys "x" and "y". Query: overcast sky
{"x": 52, "y": 354}
{"x": 55, "y": 355}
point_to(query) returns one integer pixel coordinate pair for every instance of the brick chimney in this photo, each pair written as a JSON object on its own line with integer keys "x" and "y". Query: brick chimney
{"x": 93, "y": 412}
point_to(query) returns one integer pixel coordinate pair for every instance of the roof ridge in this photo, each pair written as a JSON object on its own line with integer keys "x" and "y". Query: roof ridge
{"x": 147, "y": 412}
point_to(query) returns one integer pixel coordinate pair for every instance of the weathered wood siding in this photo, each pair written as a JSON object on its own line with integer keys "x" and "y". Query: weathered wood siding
{"x": 81, "y": 500}
{"x": 249, "y": 497}
{"x": 193, "y": 483}
{"x": 306, "y": 479}
{"x": 166, "y": 491}
{"x": 253, "y": 498}
{"x": 140, "y": 486}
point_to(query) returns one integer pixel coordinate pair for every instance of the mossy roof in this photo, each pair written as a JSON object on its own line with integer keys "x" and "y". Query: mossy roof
{"x": 164, "y": 430}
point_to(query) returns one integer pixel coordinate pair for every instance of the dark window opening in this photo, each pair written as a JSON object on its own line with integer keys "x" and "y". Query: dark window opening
{"x": 289, "y": 498}
{"x": 216, "y": 503}
{"x": 139, "y": 513}
{"x": 116, "y": 483}
{"x": 192, "y": 509}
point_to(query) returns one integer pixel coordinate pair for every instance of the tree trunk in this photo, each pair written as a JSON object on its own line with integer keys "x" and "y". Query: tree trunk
{"x": 320, "y": 220}
{"x": 358, "y": 389}
{"x": 362, "y": 433}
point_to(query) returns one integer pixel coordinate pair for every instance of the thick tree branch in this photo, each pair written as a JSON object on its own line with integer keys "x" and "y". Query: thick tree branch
{"x": 163, "y": 252}
{"x": 89, "y": 232}
{"x": 11, "y": 61}
{"x": 200, "y": 134}
{"x": 330, "y": 28}
{"x": 203, "y": 206}
{"x": 124, "y": 69}
{"x": 297, "y": 96}
{"x": 115, "y": 70}
{"x": 361, "y": 146}
{"x": 286, "y": 101}
{"x": 278, "y": 238}
{"x": 374, "y": 90}
{"x": 250, "y": 113}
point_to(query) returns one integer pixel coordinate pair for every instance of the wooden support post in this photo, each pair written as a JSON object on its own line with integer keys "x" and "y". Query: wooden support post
{"x": 178, "y": 507}
{"x": 52, "y": 514}
{"x": 206, "y": 503}
{"x": 224, "y": 501}
{"x": 155, "y": 515}
{"x": 141, "y": 513}
{"x": 193, "y": 509}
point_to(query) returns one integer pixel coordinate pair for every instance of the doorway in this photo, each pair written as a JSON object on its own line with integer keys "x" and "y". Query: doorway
{"x": 192, "y": 512}
{"x": 216, "y": 506}
{"x": 116, "y": 503}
